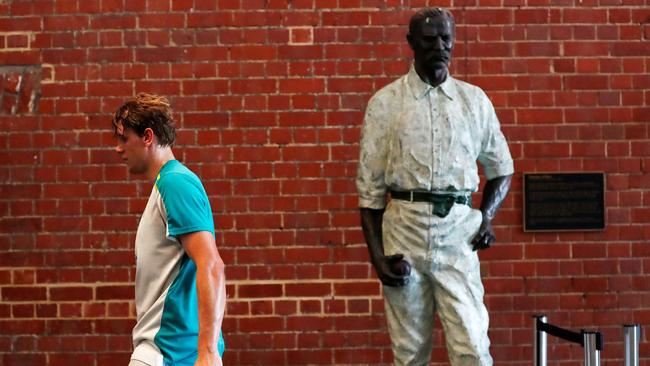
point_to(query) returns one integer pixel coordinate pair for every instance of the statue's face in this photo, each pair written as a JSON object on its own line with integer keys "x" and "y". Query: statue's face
{"x": 433, "y": 44}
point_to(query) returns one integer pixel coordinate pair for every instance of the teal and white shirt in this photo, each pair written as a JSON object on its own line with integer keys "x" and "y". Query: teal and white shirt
{"x": 167, "y": 328}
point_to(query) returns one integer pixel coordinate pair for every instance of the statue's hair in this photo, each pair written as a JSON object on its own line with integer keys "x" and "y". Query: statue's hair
{"x": 423, "y": 15}
{"x": 147, "y": 111}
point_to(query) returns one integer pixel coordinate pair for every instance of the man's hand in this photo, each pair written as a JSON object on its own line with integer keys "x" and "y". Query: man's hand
{"x": 494, "y": 193}
{"x": 208, "y": 359}
{"x": 392, "y": 270}
{"x": 485, "y": 236}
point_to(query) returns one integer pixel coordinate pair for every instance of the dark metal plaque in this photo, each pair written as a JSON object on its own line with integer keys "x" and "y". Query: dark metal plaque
{"x": 564, "y": 201}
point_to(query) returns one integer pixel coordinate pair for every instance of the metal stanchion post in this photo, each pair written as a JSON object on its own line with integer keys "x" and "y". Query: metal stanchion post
{"x": 632, "y": 333}
{"x": 539, "y": 346}
{"x": 592, "y": 354}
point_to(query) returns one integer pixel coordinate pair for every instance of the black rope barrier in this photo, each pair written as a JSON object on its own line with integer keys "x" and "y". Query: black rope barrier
{"x": 570, "y": 336}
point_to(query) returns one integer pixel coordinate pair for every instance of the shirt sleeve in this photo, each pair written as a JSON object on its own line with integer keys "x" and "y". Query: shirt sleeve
{"x": 373, "y": 150}
{"x": 185, "y": 205}
{"x": 495, "y": 155}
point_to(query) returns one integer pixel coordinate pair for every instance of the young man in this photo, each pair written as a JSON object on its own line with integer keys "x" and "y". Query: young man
{"x": 421, "y": 139}
{"x": 180, "y": 290}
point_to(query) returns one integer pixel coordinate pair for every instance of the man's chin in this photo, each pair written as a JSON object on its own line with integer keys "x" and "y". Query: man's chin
{"x": 437, "y": 69}
{"x": 438, "y": 65}
{"x": 136, "y": 170}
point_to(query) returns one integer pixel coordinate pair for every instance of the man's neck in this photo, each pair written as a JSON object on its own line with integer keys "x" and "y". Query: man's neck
{"x": 434, "y": 78}
{"x": 160, "y": 157}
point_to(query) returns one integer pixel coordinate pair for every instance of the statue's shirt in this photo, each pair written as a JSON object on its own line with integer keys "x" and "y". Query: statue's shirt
{"x": 418, "y": 137}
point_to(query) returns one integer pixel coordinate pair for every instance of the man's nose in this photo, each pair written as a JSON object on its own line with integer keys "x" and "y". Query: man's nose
{"x": 438, "y": 43}
{"x": 119, "y": 149}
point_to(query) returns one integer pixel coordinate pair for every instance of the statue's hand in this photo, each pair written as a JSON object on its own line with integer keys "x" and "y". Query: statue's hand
{"x": 485, "y": 236}
{"x": 392, "y": 270}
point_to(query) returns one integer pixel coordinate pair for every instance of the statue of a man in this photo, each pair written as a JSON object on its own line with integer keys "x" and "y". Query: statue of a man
{"x": 421, "y": 139}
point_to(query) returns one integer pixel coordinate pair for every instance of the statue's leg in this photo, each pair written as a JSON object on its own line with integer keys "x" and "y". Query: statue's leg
{"x": 409, "y": 315}
{"x": 459, "y": 299}
{"x": 409, "y": 309}
{"x": 459, "y": 292}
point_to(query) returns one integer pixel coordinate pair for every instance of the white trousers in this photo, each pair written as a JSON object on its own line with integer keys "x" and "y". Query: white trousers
{"x": 445, "y": 278}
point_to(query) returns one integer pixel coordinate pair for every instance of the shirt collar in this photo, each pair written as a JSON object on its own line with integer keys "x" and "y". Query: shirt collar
{"x": 419, "y": 88}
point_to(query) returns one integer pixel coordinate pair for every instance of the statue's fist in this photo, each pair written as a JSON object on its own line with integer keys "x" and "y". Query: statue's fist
{"x": 392, "y": 270}
{"x": 400, "y": 267}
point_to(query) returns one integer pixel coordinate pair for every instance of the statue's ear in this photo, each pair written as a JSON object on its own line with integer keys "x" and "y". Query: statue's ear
{"x": 410, "y": 40}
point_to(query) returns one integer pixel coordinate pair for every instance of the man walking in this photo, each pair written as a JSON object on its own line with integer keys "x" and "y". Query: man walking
{"x": 421, "y": 138}
{"x": 180, "y": 286}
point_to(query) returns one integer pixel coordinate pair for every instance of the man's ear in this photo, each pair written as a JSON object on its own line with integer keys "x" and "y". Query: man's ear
{"x": 410, "y": 40}
{"x": 148, "y": 137}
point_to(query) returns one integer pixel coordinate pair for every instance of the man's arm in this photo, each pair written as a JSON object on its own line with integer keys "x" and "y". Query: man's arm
{"x": 392, "y": 270}
{"x": 494, "y": 193}
{"x": 211, "y": 292}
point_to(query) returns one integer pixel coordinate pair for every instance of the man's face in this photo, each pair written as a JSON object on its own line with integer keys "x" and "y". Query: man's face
{"x": 132, "y": 149}
{"x": 433, "y": 44}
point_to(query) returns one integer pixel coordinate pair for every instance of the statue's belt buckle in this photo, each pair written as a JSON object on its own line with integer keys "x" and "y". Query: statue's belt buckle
{"x": 442, "y": 205}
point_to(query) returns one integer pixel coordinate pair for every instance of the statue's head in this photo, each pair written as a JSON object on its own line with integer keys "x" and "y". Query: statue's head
{"x": 431, "y": 37}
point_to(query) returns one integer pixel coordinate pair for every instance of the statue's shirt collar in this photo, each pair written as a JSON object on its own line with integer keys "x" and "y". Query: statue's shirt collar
{"x": 420, "y": 89}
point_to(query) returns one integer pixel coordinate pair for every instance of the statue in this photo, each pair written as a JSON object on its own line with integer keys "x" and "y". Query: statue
{"x": 421, "y": 138}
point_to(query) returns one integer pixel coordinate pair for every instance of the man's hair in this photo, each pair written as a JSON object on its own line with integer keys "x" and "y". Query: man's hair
{"x": 147, "y": 111}
{"x": 422, "y": 16}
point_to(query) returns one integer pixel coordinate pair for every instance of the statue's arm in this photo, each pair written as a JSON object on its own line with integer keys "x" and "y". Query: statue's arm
{"x": 494, "y": 192}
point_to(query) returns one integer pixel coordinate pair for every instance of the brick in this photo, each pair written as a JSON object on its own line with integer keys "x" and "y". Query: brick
{"x": 248, "y": 86}
{"x": 171, "y": 20}
{"x": 631, "y": 49}
{"x": 24, "y": 359}
{"x": 588, "y": 16}
{"x": 113, "y": 22}
{"x": 256, "y": 154}
{"x": 350, "y": 18}
{"x": 488, "y": 16}
{"x": 322, "y": 357}
{"x": 307, "y": 323}
{"x": 357, "y": 289}
{"x": 494, "y": 82}
{"x": 348, "y": 85}
{"x": 537, "y": 49}
{"x": 527, "y": 16}
{"x": 357, "y": 322}
{"x": 586, "y": 49}
{"x": 22, "y": 23}
{"x": 109, "y": 292}
{"x": 114, "y": 326}
{"x": 586, "y": 82}
{"x": 300, "y": 85}
{"x": 23, "y": 293}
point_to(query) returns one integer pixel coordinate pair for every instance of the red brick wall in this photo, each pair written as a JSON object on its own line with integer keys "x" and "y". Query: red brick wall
{"x": 269, "y": 96}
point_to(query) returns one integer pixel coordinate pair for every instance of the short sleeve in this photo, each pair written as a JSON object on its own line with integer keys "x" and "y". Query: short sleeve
{"x": 495, "y": 155}
{"x": 372, "y": 157}
{"x": 186, "y": 205}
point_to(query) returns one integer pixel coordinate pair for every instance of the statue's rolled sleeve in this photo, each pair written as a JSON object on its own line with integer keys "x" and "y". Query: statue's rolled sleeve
{"x": 373, "y": 148}
{"x": 500, "y": 170}
{"x": 495, "y": 155}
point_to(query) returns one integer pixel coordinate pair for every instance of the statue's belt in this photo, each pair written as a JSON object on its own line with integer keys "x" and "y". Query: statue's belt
{"x": 442, "y": 203}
